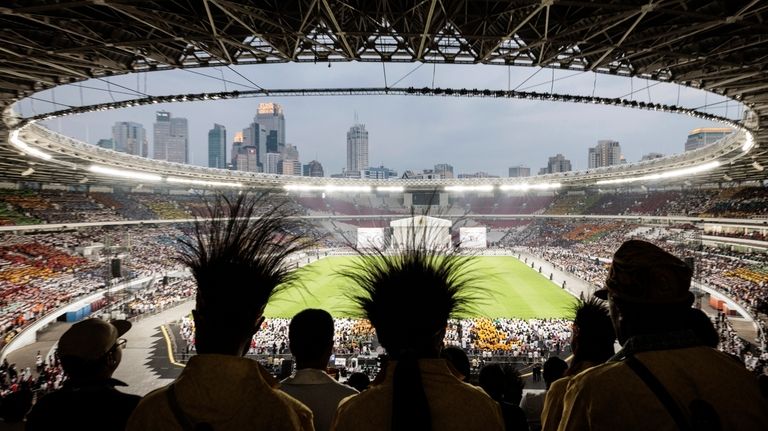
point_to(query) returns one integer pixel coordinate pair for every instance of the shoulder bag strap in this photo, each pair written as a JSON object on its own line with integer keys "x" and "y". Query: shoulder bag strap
{"x": 660, "y": 391}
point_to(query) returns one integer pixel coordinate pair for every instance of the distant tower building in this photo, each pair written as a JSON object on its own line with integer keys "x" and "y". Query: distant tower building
{"x": 271, "y": 118}
{"x": 272, "y": 163}
{"x": 237, "y": 145}
{"x": 247, "y": 159}
{"x": 519, "y": 171}
{"x": 444, "y": 170}
{"x": 256, "y": 136}
{"x": 380, "y": 173}
{"x": 291, "y": 167}
{"x": 702, "y": 137}
{"x": 171, "y": 138}
{"x": 557, "y": 163}
{"x": 605, "y": 153}
{"x": 217, "y": 147}
{"x": 290, "y": 152}
{"x": 357, "y": 148}
{"x": 129, "y": 137}
{"x": 313, "y": 169}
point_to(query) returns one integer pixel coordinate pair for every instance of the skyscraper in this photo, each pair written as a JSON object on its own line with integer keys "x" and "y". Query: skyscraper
{"x": 557, "y": 163}
{"x": 444, "y": 170}
{"x": 605, "y": 153}
{"x": 217, "y": 147}
{"x": 171, "y": 142}
{"x": 256, "y": 136}
{"x": 237, "y": 144}
{"x": 129, "y": 137}
{"x": 519, "y": 171}
{"x": 271, "y": 118}
{"x": 271, "y": 163}
{"x": 313, "y": 169}
{"x": 704, "y": 136}
{"x": 357, "y": 148}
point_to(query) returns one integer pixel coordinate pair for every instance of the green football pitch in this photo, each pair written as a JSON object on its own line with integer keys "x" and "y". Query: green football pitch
{"x": 516, "y": 291}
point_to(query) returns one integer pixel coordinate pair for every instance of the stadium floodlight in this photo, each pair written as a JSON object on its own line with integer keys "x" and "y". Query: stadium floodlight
{"x": 461, "y": 189}
{"x": 526, "y": 186}
{"x": 727, "y": 177}
{"x": 664, "y": 175}
{"x": 122, "y": 173}
{"x": 328, "y": 188}
{"x": 28, "y": 172}
{"x": 749, "y": 143}
{"x": 396, "y": 189}
{"x": 21, "y": 145}
{"x": 83, "y": 180}
{"x": 179, "y": 180}
{"x": 758, "y": 167}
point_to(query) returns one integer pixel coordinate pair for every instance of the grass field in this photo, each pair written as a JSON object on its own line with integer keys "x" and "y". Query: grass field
{"x": 517, "y": 291}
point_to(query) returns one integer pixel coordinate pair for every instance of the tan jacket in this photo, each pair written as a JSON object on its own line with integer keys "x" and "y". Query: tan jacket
{"x": 455, "y": 405}
{"x": 228, "y": 392}
{"x": 612, "y": 397}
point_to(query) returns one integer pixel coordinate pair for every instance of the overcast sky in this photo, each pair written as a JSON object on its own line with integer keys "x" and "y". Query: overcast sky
{"x": 405, "y": 132}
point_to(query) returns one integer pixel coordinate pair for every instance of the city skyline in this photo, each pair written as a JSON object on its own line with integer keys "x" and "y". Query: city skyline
{"x": 414, "y": 133}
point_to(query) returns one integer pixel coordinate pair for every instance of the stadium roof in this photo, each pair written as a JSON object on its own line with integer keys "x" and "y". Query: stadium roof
{"x": 715, "y": 45}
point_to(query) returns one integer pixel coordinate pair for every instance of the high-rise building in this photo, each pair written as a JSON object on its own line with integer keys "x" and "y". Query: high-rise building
{"x": 444, "y": 170}
{"x": 272, "y": 163}
{"x": 291, "y": 167}
{"x": 704, "y": 136}
{"x": 357, "y": 148}
{"x": 271, "y": 118}
{"x": 313, "y": 169}
{"x": 290, "y": 152}
{"x": 519, "y": 171}
{"x": 247, "y": 159}
{"x": 556, "y": 163}
{"x": 129, "y": 137}
{"x": 380, "y": 173}
{"x": 256, "y": 136}
{"x": 605, "y": 153}
{"x": 237, "y": 145}
{"x": 217, "y": 147}
{"x": 171, "y": 141}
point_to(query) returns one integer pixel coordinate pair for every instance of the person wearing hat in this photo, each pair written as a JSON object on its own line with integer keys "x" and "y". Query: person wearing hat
{"x": 237, "y": 265}
{"x": 90, "y": 352}
{"x": 408, "y": 298}
{"x": 665, "y": 377}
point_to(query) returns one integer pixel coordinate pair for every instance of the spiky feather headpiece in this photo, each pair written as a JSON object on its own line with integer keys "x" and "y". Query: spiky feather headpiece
{"x": 238, "y": 255}
{"x": 409, "y": 294}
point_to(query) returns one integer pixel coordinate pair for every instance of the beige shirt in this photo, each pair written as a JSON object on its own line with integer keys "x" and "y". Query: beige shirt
{"x": 318, "y": 391}
{"x": 455, "y": 405}
{"x": 612, "y": 397}
{"x": 228, "y": 392}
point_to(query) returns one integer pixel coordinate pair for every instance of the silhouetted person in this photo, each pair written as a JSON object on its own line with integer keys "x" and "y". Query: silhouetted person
{"x": 592, "y": 342}
{"x": 311, "y": 342}
{"x": 458, "y": 359}
{"x": 506, "y": 390}
{"x": 13, "y": 408}
{"x": 533, "y": 402}
{"x": 90, "y": 352}
{"x": 664, "y": 377}
{"x": 408, "y": 298}
{"x": 238, "y": 265}
{"x": 359, "y": 381}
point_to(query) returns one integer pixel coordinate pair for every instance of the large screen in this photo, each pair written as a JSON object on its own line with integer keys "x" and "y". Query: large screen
{"x": 371, "y": 237}
{"x": 472, "y": 237}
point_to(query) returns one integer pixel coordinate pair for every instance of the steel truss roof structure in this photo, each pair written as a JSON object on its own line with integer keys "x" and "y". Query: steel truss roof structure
{"x": 715, "y": 45}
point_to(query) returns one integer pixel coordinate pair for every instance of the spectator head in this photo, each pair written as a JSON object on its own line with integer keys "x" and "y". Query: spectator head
{"x": 359, "y": 381}
{"x": 647, "y": 290}
{"x": 458, "y": 358}
{"x": 554, "y": 368}
{"x": 408, "y": 297}
{"x": 92, "y": 349}
{"x": 237, "y": 258}
{"x": 593, "y": 335}
{"x": 311, "y": 338}
{"x": 15, "y": 406}
{"x": 492, "y": 380}
{"x": 514, "y": 384}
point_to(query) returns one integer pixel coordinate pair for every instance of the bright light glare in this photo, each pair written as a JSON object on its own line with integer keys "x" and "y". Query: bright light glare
{"x": 664, "y": 175}
{"x": 399, "y": 189}
{"x": 328, "y": 188}
{"x": 485, "y": 188}
{"x": 18, "y": 143}
{"x": 202, "y": 182}
{"x": 749, "y": 143}
{"x": 121, "y": 173}
{"x": 526, "y": 186}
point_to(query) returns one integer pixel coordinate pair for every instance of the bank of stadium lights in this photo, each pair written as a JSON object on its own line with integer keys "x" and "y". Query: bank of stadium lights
{"x": 179, "y": 180}
{"x": 394, "y": 189}
{"x": 14, "y": 139}
{"x": 462, "y": 189}
{"x": 123, "y": 173}
{"x": 525, "y": 186}
{"x": 328, "y": 188}
{"x": 664, "y": 175}
{"x": 749, "y": 142}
